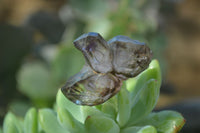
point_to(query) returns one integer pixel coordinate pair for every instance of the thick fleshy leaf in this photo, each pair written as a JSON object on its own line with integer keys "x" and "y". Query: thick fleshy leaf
{"x": 66, "y": 63}
{"x": 12, "y": 124}
{"x": 69, "y": 122}
{"x": 124, "y": 106}
{"x": 109, "y": 108}
{"x": 75, "y": 110}
{"x": 131, "y": 83}
{"x": 49, "y": 123}
{"x": 101, "y": 124}
{"x": 145, "y": 93}
{"x": 164, "y": 121}
{"x": 135, "y": 129}
{"x": 31, "y": 121}
{"x": 145, "y": 102}
{"x": 114, "y": 102}
{"x": 92, "y": 111}
{"x": 35, "y": 77}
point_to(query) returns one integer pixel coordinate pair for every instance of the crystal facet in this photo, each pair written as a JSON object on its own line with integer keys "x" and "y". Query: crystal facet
{"x": 89, "y": 88}
{"x": 96, "y": 51}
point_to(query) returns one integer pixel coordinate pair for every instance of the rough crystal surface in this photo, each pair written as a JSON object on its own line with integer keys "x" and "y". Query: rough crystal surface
{"x": 130, "y": 57}
{"x": 89, "y": 88}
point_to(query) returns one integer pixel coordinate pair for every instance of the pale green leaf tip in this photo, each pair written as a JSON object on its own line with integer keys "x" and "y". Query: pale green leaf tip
{"x": 154, "y": 64}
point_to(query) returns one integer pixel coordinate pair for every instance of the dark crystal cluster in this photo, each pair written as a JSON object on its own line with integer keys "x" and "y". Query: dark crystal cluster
{"x": 107, "y": 65}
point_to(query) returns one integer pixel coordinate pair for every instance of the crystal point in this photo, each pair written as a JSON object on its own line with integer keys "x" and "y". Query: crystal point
{"x": 96, "y": 51}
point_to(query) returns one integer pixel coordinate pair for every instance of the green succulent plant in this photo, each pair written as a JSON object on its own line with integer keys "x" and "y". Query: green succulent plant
{"x": 130, "y": 111}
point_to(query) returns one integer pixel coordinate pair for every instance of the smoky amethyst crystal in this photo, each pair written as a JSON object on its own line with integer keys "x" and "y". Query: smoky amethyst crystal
{"x": 107, "y": 65}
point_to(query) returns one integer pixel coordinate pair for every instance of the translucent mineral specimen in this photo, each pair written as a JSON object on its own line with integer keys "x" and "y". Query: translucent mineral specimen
{"x": 107, "y": 65}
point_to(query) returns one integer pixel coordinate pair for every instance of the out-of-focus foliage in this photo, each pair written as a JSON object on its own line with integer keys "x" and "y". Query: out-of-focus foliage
{"x": 40, "y": 81}
{"x": 127, "y": 112}
{"x": 66, "y": 63}
{"x": 33, "y": 77}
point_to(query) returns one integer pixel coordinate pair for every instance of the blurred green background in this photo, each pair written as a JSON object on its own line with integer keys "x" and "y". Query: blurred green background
{"x": 37, "y": 55}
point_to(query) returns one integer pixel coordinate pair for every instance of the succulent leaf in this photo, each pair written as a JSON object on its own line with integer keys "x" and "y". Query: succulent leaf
{"x": 69, "y": 122}
{"x": 165, "y": 121}
{"x": 75, "y": 110}
{"x": 145, "y": 93}
{"x": 12, "y": 124}
{"x": 92, "y": 111}
{"x": 135, "y": 129}
{"x": 31, "y": 121}
{"x": 49, "y": 123}
{"x": 124, "y": 106}
{"x": 109, "y": 108}
{"x": 34, "y": 76}
{"x": 101, "y": 124}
